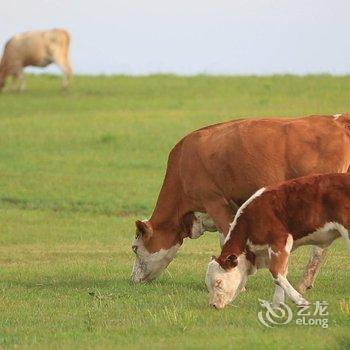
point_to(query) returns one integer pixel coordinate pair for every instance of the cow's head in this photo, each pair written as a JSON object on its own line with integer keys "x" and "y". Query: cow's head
{"x": 225, "y": 279}
{"x": 154, "y": 252}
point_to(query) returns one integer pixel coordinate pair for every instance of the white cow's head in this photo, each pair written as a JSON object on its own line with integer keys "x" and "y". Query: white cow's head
{"x": 226, "y": 279}
{"x": 154, "y": 252}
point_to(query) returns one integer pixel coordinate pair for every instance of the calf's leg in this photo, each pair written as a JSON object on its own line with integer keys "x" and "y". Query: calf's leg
{"x": 278, "y": 296}
{"x": 316, "y": 259}
{"x": 290, "y": 291}
{"x": 280, "y": 252}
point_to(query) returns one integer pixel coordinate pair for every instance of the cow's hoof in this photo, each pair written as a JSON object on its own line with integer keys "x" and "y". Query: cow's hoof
{"x": 302, "y": 303}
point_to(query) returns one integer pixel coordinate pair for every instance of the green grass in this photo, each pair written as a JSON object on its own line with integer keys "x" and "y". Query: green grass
{"x": 78, "y": 167}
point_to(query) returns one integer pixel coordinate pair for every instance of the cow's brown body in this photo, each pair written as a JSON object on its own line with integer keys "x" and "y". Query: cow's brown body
{"x": 298, "y": 207}
{"x": 276, "y": 220}
{"x": 35, "y": 48}
{"x": 215, "y": 166}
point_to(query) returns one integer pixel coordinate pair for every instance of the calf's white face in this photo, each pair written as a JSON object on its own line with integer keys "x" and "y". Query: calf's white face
{"x": 224, "y": 285}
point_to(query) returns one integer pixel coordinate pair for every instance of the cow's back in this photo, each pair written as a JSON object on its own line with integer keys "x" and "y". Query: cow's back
{"x": 237, "y": 158}
{"x": 36, "y": 48}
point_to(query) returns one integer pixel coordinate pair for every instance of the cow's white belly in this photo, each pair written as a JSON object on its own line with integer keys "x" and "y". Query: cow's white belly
{"x": 322, "y": 237}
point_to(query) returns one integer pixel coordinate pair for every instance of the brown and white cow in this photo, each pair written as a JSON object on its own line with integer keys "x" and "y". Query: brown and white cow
{"x": 35, "y": 48}
{"x": 215, "y": 169}
{"x": 273, "y": 222}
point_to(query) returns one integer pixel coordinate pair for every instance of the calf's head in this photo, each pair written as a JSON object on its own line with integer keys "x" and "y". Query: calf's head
{"x": 225, "y": 279}
{"x": 154, "y": 252}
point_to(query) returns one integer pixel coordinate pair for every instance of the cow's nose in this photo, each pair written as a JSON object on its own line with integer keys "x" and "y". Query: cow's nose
{"x": 213, "y": 305}
{"x": 134, "y": 249}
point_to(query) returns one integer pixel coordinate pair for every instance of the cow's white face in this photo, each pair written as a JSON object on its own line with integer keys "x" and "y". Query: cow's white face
{"x": 148, "y": 266}
{"x": 224, "y": 285}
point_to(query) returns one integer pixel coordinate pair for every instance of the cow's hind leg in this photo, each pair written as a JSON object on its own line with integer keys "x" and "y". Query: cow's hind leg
{"x": 18, "y": 80}
{"x": 316, "y": 259}
{"x": 64, "y": 64}
{"x": 280, "y": 252}
{"x": 22, "y": 81}
{"x": 15, "y": 82}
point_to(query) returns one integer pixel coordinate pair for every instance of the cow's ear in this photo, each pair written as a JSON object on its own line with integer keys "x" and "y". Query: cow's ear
{"x": 144, "y": 227}
{"x": 230, "y": 262}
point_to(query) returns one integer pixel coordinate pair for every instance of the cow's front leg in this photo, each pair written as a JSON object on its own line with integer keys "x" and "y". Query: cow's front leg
{"x": 221, "y": 213}
{"x": 317, "y": 257}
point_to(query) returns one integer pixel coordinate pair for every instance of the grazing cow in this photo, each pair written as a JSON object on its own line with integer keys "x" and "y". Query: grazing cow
{"x": 273, "y": 222}
{"x": 39, "y": 49}
{"x": 213, "y": 170}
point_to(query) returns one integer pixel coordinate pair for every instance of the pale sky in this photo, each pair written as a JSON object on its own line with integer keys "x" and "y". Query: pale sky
{"x": 193, "y": 36}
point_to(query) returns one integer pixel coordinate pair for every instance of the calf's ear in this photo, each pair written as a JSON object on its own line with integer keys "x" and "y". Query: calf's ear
{"x": 144, "y": 227}
{"x": 230, "y": 262}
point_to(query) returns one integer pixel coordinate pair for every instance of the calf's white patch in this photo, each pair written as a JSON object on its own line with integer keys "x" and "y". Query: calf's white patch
{"x": 241, "y": 209}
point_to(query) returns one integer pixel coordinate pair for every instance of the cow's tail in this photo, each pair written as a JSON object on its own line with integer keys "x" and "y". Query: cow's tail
{"x": 65, "y": 38}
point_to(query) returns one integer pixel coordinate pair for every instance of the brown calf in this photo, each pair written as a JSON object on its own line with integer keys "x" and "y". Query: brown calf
{"x": 274, "y": 221}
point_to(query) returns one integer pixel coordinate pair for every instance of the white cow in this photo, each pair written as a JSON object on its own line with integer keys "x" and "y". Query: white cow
{"x": 35, "y": 48}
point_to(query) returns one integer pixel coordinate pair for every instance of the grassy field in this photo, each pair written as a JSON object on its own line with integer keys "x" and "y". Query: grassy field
{"x": 78, "y": 167}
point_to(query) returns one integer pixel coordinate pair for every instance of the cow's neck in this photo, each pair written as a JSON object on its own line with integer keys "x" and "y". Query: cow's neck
{"x": 168, "y": 213}
{"x": 170, "y": 208}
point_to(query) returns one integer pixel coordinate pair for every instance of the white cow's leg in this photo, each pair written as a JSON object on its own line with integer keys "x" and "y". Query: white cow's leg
{"x": 316, "y": 259}
{"x": 64, "y": 64}
{"x": 17, "y": 77}
{"x": 22, "y": 81}
{"x": 14, "y": 83}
